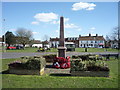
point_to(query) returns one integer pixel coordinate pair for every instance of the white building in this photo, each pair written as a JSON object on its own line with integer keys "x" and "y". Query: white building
{"x": 81, "y": 41}
{"x": 91, "y": 41}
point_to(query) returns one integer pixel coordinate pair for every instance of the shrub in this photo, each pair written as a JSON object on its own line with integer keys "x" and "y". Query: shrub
{"x": 88, "y": 57}
{"x": 79, "y": 65}
{"x": 31, "y": 63}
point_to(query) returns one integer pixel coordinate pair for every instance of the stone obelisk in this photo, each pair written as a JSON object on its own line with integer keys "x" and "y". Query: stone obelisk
{"x": 61, "y": 48}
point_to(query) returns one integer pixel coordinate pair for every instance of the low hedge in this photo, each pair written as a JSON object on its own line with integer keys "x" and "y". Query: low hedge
{"x": 29, "y": 63}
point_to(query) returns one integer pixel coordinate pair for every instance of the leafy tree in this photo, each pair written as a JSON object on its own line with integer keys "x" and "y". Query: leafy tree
{"x": 24, "y": 36}
{"x": 9, "y": 38}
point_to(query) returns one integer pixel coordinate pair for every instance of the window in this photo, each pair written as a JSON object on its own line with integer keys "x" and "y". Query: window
{"x": 101, "y": 41}
{"x": 95, "y": 41}
{"x": 91, "y": 41}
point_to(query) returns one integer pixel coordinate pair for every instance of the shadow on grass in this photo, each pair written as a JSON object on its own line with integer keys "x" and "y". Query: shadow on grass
{"x": 5, "y": 72}
{"x": 60, "y": 74}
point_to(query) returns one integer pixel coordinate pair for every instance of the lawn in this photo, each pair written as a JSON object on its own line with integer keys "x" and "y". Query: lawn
{"x": 47, "y": 81}
{"x": 55, "y": 50}
{"x": 96, "y": 50}
{"x": 30, "y": 50}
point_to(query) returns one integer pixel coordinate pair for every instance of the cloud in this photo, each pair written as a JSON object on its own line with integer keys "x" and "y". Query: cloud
{"x": 58, "y": 22}
{"x": 92, "y": 34}
{"x": 35, "y": 32}
{"x": 70, "y": 26}
{"x": 46, "y": 17}
{"x": 67, "y": 24}
{"x": 35, "y": 22}
{"x": 57, "y": 31}
{"x": 79, "y": 29}
{"x": 93, "y": 28}
{"x": 12, "y": 29}
{"x": 55, "y": 22}
{"x": 66, "y": 20}
{"x": 82, "y": 5}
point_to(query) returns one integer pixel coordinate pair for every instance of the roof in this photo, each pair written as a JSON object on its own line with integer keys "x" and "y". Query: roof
{"x": 37, "y": 42}
{"x": 95, "y": 38}
{"x": 54, "y": 39}
{"x": 45, "y": 42}
{"x": 57, "y": 39}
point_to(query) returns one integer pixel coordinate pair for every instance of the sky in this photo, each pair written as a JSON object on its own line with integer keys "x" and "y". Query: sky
{"x": 42, "y": 18}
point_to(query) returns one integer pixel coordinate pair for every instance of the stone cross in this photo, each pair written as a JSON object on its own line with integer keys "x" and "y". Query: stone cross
{"x": 62, "y": 48}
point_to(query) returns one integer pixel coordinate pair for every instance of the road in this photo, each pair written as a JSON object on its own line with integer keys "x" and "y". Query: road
{"x": 17, "y": 55}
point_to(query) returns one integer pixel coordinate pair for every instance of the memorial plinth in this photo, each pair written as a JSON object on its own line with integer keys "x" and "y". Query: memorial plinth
{"x": 62, "y": 48}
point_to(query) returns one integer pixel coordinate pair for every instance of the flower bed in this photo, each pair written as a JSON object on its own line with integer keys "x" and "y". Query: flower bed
{"x": 28, "y": 66}
{"x": 89, "y": 68}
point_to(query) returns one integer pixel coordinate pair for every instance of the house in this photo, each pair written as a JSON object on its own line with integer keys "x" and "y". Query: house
{"x": 37, "y": 43}
{"x": 91, "y": 41}
{"x": 1, "y": 42}
{"x": 81, "y": 41}
{"x": 114, "y": 43}
{"x": 54, "y": 42}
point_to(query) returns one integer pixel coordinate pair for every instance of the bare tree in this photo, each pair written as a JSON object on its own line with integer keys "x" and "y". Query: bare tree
{"x": 115, "y": 36}
{"x": 24, "y": 36}
{"x": 46, "y": 38}
{"x": 107, "y": 41}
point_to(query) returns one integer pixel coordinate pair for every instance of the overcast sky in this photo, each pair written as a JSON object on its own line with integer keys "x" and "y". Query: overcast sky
{"x": 42, "y": 18}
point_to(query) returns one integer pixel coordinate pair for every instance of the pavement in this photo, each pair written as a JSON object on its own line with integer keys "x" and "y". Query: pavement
{"x": 7, "y": 55}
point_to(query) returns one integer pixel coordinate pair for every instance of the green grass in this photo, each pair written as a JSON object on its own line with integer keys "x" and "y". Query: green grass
{"x": 24, "y": 50}
{"x": 55, "y": 50}
{"x": 31, "y": 50}
{"x": 96, "y": 50}
{"x": 47, "y": 81}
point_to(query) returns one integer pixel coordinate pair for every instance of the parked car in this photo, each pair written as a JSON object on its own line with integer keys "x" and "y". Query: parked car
{"x": 11, "y": 47}
{"x": 19, "y": 47}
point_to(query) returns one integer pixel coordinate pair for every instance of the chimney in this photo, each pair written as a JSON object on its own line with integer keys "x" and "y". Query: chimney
{"x": 79, "y": 35}
{"x": 89, "y": 34}
{"x": 96, "y": 35}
